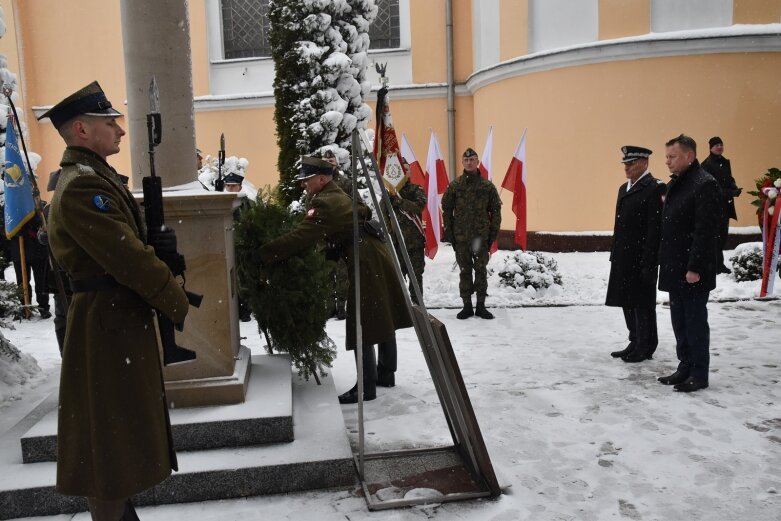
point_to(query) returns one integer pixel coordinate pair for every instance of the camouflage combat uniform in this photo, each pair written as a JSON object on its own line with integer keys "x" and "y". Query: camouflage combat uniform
{"x": 408, "y": 207}
{"x": 472, "y": 217}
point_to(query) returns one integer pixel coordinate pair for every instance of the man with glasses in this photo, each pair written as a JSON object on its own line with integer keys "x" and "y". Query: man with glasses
{"x": 633, "y": 256}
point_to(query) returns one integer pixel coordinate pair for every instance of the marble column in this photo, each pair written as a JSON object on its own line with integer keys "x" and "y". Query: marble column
{"x": 156, "y": 38}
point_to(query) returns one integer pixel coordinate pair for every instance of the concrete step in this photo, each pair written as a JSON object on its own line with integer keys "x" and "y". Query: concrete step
{"x": 318, "y": 457}
{"x": 266, "y": 416}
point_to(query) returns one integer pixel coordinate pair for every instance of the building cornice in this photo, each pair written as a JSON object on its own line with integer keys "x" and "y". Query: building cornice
{"x": 758, "y": 39}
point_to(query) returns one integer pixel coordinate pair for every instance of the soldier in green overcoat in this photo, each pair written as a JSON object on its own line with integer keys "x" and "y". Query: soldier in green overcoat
{"x": 472, "y": 214}
{"x": 329, "y": 218}
{"x": 113, "y": 437}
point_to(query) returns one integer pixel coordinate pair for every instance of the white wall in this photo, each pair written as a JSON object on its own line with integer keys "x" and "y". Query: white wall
{"x": 561, "y": 23}
{"x": 486, "y": 34}
{"x": 680, "y": 15}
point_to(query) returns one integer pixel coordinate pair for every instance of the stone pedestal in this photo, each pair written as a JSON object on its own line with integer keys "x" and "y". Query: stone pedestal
{"x": 203, "y": 222}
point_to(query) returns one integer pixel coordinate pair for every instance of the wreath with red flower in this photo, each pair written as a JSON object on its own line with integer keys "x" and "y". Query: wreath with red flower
{"x": 768, "y": 187}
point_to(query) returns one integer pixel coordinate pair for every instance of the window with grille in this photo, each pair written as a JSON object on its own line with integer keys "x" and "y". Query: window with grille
{"x": 384, "y": 31}
{"x": 245, "y": 28}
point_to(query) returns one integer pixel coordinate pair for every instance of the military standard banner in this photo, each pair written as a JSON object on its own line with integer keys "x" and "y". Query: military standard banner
{"x": 19, "y": 203}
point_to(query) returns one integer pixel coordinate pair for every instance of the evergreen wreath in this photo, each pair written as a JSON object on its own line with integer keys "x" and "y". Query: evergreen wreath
{"x": 289, "y": 299}
{"x": 524, "y": 269}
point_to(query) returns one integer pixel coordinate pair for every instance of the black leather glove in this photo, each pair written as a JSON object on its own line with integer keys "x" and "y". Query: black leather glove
{"x": 163, "y": 241}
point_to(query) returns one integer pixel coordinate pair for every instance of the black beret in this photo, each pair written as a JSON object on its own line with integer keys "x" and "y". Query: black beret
{"x": 715, "y": 140}
{"x": 469, "y": 152}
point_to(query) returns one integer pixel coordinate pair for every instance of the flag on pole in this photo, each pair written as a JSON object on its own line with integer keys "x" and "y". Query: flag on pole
{"x": 436, "y": 184}
{"x": 19, "y": 203}
{"x": 416, "y": 174}
{"x": 485, "y": 171}
{"x": 515, "y": 181}
{"x": 386, "y": 144}
{"x": 485, "y": 159}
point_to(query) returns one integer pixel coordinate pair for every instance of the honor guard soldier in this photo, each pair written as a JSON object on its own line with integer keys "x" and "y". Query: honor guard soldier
{"x": 383, "y": 308}
{"x": 114, "y": 435}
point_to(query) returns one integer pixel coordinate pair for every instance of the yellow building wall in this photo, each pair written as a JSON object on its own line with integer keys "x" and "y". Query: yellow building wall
{"x": 756, "y": 11}
{"x": 427, "y": 28}
{"x": 199, "y": 47}
{"x": 579, "y": 117}
{"x": 513, "y": 29}
{"x": 462, "y": 39}
{"x": 620, "y": 18}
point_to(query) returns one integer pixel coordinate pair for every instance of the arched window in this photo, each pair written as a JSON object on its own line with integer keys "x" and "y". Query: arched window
{"x": 245, "y": 28}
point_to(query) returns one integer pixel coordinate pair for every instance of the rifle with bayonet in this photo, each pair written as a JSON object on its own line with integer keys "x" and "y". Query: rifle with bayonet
{"x": 219, "y": 183}
{"x": 155, "y": 224}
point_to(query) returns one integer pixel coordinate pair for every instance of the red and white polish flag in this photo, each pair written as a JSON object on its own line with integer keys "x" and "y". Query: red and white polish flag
{"x": 515, "y": 181}
{"x": 416, "y": 173}
{"x": 485, "y": 171}
{"x": 436, "y": 184}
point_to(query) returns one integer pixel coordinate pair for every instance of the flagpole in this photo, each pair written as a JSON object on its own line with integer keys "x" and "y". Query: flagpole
{"x": 7, "y": 91}
{"x": 25, "y": 287}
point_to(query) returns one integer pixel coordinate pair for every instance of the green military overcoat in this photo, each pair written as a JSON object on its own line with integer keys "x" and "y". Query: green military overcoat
{"x": 329, "y": 218}
{"x": 113, "y": 437}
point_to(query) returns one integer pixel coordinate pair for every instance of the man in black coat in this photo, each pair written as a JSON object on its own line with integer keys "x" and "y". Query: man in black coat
{"x": 719, "y": 167}
{"x": 633, "y": 256}
{"x": 687, "y": 260}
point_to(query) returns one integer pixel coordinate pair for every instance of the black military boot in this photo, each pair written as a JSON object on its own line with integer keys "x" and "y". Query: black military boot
{"x": 369, "y": 379}
{"x": 467, "y": 311}
{"x": 481, "y": 311}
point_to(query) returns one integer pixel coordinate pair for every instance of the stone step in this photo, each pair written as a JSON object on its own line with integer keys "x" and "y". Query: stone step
{"x": 318, "y": 457}
{"x": 266, "y": 416}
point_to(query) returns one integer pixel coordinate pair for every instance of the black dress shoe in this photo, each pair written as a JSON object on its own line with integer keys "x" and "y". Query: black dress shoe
{"x": 691, "y": 384}
{"x": 676, "y": 378}
{"x": 351, "y": 396}
{"x": 623, "y": 352}
{"x": 636, "y": 356}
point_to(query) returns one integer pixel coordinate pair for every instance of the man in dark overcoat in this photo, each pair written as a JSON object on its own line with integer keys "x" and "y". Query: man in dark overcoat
{"x": 633, "y": 256}
{"x": 113, "y": 436}
{"x": 330, "y": 219}
{"x": 687, "y": 260}
{"x": 719, "y": 167}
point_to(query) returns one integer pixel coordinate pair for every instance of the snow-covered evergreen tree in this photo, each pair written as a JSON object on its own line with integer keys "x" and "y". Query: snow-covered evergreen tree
{"x": 320, "y": 53}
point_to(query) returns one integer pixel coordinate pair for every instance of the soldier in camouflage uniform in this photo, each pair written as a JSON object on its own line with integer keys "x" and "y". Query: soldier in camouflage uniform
{"x": 408, "y": 204}
{"x": 472, "y": 217}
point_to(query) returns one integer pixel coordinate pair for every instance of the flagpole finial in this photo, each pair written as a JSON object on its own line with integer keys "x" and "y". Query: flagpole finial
{"x": 381, "y": 68}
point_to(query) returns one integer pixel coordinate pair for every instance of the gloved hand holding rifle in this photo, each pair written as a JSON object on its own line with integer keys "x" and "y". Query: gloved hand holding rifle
{"x": 161, "y": 238}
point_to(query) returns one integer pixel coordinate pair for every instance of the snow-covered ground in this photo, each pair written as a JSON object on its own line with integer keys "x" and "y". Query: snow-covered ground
{"x": 573, "y": 434}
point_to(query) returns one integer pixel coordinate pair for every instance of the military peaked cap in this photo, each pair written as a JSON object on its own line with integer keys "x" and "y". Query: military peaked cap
{"x": 632, "y": 153}
{"x": 89, "y": 101}
{"x": 233, "y": 178}
{"x": 312, "y": 166}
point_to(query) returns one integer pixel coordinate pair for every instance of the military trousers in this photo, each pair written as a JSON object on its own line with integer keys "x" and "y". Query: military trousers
{"x": 689, "y": 316}
{"x": 473, "y": 270}
{"x": 418, "y": 261}
{"x": 641, "y": 323}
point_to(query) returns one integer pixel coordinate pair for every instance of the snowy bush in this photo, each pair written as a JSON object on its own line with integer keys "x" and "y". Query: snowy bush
{"x": 523, "y": 269}
{"x": 10, "y": 302}
{"x": 16, "y": 368}
{"x": 747, "y": 261}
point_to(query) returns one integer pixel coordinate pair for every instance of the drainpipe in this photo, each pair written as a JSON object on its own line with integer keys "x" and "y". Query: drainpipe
{"x": 451, "y": 90}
